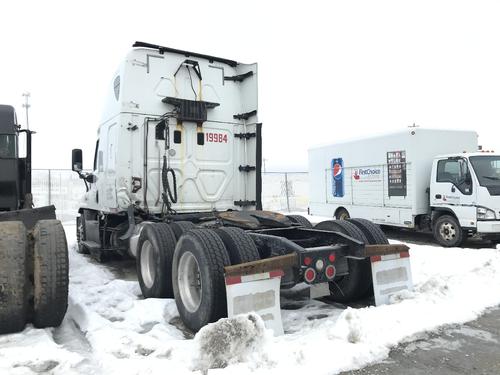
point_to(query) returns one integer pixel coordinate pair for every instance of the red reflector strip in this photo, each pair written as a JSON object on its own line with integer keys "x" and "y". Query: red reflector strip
{"x": 276, "y": 273}
{"x": 376, "y": 258}
{"x": 231, "y": 280}
{"x": 404, "y": 254}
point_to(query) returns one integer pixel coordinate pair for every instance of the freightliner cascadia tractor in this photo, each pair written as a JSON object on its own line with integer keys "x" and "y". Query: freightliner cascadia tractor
{"x": 176, "y": 183}
{"x": 33, "y": 249}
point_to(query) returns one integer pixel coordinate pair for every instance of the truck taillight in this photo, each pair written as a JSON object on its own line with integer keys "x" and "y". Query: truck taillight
{"x": 330, "y": 272}
{"x": 331, "y": 257}
{"x": 307, "y": 261}
{"x": 309, "y": 275}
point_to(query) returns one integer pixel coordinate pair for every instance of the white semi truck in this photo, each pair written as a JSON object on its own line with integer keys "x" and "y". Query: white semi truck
{"x": 423, "y": 179}
{"x": 176, "y": 183}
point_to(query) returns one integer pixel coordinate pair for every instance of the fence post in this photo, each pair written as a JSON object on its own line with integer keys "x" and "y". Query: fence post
{"x": 50, "y": 188}
{"x": 286, "y": 191}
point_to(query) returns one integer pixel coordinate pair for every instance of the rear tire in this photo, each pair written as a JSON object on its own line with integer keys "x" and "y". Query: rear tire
{"x": 239, "y": 245}
{"x": 448, "y": 232}
{"x": 357, "y": 283}
{"x": 50, "y": 274}
{"x": 155, "y": 250}
{"x": 342, "y": 214}
{"x": 180, "y": 227}
{"x": 298, "y": 219}
{"x": 198, "y": 278}
{"x": 372, "y": 231}
{"x": 13, "y": 301}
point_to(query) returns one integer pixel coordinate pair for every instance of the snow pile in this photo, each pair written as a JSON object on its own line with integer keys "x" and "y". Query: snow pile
{"x": 110, "y": 329}
{"x": 230, "y": 341}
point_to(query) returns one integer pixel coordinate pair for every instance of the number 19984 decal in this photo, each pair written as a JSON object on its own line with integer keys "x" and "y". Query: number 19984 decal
{"x": 216, "y": 137}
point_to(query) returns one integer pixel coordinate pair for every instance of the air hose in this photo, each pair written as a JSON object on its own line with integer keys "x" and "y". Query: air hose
{"x": 169, "y": 195}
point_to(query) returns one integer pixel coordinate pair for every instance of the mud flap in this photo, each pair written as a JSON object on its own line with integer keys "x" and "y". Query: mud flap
{"x": 259, "y": 293}
{"x": 391, "y": 274}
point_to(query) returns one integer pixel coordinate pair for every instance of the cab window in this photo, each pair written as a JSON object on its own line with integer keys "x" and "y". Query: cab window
{"x": 455, "y": 171}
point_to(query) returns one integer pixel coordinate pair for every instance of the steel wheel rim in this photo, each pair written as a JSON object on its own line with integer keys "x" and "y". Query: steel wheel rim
{"x": 189, "y": 281}
{"x": 148, "y": 269}
{"x": 448, "y": 231}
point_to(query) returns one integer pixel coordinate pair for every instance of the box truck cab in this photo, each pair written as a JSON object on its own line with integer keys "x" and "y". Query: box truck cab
{"x": 465, "y": 196}
{"x": 424, "y": 179}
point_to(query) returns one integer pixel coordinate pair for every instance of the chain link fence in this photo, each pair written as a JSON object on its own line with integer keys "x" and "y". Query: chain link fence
{"x": 281, "y": 191}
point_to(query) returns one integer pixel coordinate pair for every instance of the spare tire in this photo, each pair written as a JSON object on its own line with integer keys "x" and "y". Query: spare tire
{"x": 13, "y": 301}
{"x": 155, "y": 250}
{"x": 180, "y": 227}
{"x": 298, "y": 219}
{"x": 357, "y": 283}
{"x": 50, "y": 274}
{"x": 198, "y": 278}
{"x": 239, "y": 245}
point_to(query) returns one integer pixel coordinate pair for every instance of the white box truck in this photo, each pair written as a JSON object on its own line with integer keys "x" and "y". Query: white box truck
{"x": 425, "y": 179}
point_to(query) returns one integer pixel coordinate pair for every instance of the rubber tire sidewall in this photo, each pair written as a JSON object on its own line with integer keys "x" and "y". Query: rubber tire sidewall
{"x": 209, "y": 250}
{"x": 13, "y": 272}
{"x": 435, "y": 230}
{"x": 163, "y": 243}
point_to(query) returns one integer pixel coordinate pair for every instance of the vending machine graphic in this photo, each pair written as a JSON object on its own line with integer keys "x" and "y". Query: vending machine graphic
{"x": 338, "y": 177}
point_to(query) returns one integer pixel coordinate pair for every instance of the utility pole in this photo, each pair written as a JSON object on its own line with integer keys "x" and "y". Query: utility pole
{"x": 27, "y": 105}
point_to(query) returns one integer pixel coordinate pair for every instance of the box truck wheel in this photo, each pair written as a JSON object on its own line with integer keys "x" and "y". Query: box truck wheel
{"x": 447, "y": 231}
{"x": 13, "y": 301}
{"x": 358, "y": 282}
{"x": 198, "y": 278}
{"x": 372, "y": 231}
{"x": 342, "y": 214}
{"x": 179, "y": 227}
{"x": 298, "y": 219}
{"x": 80, "y": 236}
{"x": 50, "y": 274}
{"x": 239, "y": 245}
{"x": 155, "y": 250}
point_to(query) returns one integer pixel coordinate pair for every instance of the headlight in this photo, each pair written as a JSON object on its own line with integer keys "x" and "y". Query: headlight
{"x": 484, "y": 213}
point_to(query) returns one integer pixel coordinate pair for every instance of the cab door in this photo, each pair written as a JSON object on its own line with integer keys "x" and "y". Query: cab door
{"x": 452, "y": 188}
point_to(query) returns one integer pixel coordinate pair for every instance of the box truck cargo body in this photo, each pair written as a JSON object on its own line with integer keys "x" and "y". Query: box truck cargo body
{"x": 409, "y": 179}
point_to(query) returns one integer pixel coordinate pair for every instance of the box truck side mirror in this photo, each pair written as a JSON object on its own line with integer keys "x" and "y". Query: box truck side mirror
{"x": 76, "y": 160}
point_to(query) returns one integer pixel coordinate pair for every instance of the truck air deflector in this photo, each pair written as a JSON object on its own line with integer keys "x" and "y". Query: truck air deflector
{"x": 162, "y": 50}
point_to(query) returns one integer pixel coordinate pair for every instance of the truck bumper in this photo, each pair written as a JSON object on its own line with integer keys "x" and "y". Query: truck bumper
{"x": 488, "y": 227}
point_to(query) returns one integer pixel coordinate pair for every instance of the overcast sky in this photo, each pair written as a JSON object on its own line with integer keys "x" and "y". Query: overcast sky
{"x": 328, "y": 70}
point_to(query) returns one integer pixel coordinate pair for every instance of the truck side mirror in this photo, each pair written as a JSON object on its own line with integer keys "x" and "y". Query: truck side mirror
{"x": 76, "y": 160}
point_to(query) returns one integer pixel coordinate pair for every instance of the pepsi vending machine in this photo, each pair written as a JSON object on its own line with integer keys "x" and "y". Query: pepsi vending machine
{"x": 338, "y": 177}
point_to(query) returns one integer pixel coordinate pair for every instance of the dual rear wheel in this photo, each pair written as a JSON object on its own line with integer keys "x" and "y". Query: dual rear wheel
{"x": 190, "y": 267}
{"x": 33, "y": 275}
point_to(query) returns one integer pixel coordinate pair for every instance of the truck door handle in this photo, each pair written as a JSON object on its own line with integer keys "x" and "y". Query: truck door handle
{"x": 453, "y": 189}
{"x": 438, "y": 196}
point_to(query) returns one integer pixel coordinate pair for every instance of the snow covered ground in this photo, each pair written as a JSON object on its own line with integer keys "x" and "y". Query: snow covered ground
{"x": 110, "y": 329}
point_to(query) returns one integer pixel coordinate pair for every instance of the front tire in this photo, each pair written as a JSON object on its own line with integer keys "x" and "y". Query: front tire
{"x": 448, "y": 232}
{"x": 198, "y": 278}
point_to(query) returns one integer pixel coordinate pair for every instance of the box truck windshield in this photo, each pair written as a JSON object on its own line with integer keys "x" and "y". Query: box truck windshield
{"x": 487, "y": 170}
